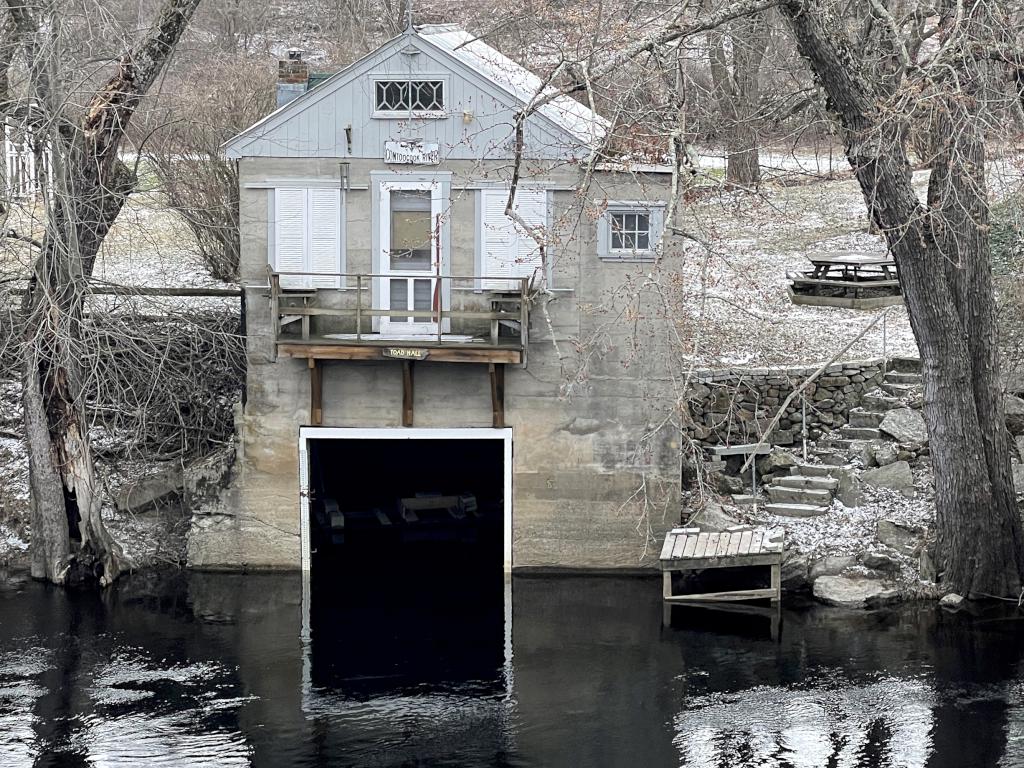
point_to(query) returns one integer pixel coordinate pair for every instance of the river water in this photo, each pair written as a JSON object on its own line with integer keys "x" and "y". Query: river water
{"x": 181, "y": 669}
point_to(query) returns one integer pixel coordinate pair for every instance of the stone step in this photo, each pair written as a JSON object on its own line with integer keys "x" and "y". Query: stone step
{"x": 746, "y": 500}
{"x": 804, "y": 481}
{"x": 879, "y": 402}
{"x": 795, "y": 510}
{"x": 861, "y": 418}
{"x": 905, "y": 364}
{"x": 838, "y": 443}
{"x": 896, "y": 377}
{"x": 780, "y": 494}
{"x": 861, "y": 433}
{"x": 818, "y": 470}
{"x": 899, "y": 390}
{"x": 832, "y": 458}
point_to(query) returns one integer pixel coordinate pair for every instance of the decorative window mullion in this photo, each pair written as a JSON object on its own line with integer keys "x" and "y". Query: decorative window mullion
{"x": 409, "y": 95}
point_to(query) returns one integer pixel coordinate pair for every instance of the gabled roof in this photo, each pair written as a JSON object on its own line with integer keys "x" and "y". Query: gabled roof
{"x": 466, "y": 52}
{"x": 579, "y": 120}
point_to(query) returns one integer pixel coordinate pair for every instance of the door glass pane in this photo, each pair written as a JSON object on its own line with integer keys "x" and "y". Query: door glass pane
{"x": 410, "y": 230}
{"x": 422, "y": 295}
{"x": 399, "y": 298}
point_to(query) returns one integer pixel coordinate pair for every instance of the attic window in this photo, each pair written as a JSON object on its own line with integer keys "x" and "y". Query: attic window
{"x": 409, "y": 96}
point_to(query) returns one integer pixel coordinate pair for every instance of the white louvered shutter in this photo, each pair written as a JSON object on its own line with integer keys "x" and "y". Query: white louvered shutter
{"x": 325, "y": 236}
{"x": 508, "y": 250}
{"x": 532, "y": 207}
{"x": 290, "y": 235}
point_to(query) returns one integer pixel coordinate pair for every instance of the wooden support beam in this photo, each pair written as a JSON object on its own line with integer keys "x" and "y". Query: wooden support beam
{"x": 497, "y": 375}
{"x": 316, "y": 392}
{"x": 407, "y": 393}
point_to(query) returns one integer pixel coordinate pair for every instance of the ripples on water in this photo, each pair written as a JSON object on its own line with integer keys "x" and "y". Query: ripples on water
{"x": 211, "y": 670}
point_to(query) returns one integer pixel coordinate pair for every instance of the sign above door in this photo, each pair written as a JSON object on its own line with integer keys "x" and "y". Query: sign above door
{"x": 412, "y": 152}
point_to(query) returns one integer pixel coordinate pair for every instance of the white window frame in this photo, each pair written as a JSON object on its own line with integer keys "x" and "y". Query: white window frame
{"x": 397, "y": 114}
{"x": 655, "y": 212}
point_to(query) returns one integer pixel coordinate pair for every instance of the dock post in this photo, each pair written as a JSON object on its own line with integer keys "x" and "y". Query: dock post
{"x": 316, "y": 392}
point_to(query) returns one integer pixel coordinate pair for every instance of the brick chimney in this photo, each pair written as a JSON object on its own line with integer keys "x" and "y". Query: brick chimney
{"x": 292, "y": 76}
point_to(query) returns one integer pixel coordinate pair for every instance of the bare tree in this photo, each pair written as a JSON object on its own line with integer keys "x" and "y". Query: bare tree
{"x": 735, "y": 74}
{"x": 208, "y": 103}
{"x": 88, "y": 187}
{"x": 941, "y": 248}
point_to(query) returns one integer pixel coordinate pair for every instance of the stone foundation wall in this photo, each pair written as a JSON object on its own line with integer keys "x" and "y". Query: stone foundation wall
{"x": 736, "y": 405}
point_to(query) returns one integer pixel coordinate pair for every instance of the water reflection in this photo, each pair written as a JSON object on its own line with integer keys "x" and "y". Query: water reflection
{"x": 884, "y": 723}
{"x": 200, "y": 669}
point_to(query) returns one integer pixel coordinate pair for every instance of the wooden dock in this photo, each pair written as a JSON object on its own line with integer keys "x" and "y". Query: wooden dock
{"x": 691, "y": 549}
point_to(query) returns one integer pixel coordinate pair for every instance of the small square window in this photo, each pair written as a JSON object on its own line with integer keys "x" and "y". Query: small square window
{"x": 630, "y": 231}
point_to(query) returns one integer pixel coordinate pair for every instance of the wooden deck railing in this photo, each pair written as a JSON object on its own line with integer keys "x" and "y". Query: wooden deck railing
{"x": 364, "y": 311}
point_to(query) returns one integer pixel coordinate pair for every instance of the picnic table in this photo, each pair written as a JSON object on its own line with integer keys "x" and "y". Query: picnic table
{"x": 852, "y": 267}
{"x": 845, "y": 276}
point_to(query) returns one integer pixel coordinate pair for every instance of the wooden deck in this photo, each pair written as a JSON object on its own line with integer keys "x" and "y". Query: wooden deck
{"x": 477, "y": 350}
{"x": 690, "y": 549}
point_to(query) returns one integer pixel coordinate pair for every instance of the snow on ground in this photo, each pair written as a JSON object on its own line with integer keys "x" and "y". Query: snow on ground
{"x": 737, "y": 303}
{"x": 734, "y": 296}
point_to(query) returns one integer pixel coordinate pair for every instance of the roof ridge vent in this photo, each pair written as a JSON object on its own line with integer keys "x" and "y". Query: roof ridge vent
{"x": 437, "y": 29}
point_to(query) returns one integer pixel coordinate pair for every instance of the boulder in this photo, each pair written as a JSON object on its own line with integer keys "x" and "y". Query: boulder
{"x": 848, "y": 492}
{"x": 863, "y": 451}
{"x": 926, "y": 567}
{"x": 877, "y": 561}
{"x": 794, "y": 572}
{"x": 1019, "y": 440}
{"x": 896, "y": 476}
{"x": 160, "y": 489}
{"x": 731, "y": 484}
{"x": 884, "y": 455}
{"x": 952, "y": 602}
{"x": 833, "y": 565}
{"x": 906, "y": 539}
{"x": 852, "y": 591}
{"x": 775, "y": 462}
{"x": 1014, "y": 410}
{"x": 713, "y": 518}
{"x": 905, "y": 425}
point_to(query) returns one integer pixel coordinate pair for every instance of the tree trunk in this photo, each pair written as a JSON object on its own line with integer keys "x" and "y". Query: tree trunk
{"x": 737, "y": 92}
{"x": 942, "y": 255}
{"x": 89, "y": 187}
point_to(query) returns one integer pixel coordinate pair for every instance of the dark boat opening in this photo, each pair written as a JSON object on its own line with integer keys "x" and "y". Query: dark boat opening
{"x": 407, "y": 563}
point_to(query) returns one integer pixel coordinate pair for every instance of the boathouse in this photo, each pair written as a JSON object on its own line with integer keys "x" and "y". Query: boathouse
{"x": 412, "y": 337}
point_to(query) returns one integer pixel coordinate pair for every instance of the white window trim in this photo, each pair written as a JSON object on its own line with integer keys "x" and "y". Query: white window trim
{"x": 405, "y": 114}
{"x": 655, "y": 209}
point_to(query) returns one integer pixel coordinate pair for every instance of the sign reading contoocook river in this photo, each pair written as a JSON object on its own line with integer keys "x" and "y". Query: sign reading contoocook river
{"x": 414, "y": 152}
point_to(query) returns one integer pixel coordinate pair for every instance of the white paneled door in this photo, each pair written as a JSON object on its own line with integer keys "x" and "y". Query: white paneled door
{"x": 411, "y": 258}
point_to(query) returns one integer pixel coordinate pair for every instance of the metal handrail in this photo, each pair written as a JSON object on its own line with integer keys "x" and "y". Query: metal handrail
{"x": 438, "y": 314}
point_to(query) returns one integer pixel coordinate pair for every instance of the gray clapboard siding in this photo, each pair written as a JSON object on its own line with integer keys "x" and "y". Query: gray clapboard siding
{"x": 314, "y": 125}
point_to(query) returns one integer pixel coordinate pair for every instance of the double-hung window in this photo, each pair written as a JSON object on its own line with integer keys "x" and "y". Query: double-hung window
{"x": 630, "y": 231}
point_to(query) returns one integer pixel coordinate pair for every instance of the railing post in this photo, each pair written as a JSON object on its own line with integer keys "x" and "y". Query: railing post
{"x": 359, "y": 307}
{"x": 440, "y": 303}
{"x": 275, "y": 310}
{"x": 524, "y": 316}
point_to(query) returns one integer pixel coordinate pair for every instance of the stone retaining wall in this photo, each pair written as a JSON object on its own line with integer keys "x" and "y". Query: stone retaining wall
{"x": 736, "y": 405}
